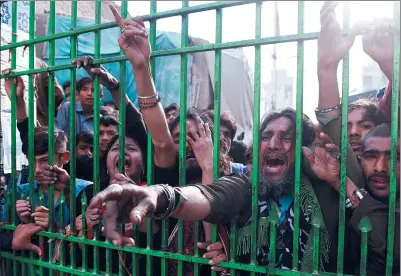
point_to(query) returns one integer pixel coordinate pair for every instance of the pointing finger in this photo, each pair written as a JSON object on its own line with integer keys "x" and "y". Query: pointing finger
{"x": 117, "y": 16}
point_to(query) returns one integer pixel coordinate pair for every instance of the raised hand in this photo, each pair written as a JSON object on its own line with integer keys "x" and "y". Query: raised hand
{"x": 332, "y": 45}
{"x": 24, "y": 210}
{"x": 215, "y": 252}
{"x": 106, "y": 79}
{"x": 325, "y": 161}
{"x": 378, "y": 43}
{"x": 133, "y": 40}
{"x": 201, "y": 144}
{"x": 93, "y": 217}
{"x": 19, "y": 83}
{"x": 22, "y": 237}
{"x": 54, "y": 175}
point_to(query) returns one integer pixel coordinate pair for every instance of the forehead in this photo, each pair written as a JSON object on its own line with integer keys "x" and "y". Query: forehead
{"x": 88, "y": 85}
{"x": 378, "y": 143}
{"x": 191, "y": 122}
{"x": 128, "y": 141}
{"x": 279, "y": 124}
{"x": 41, "y": 156}
{"x": 357, "y": 114}
{"x": 83, "y": 143}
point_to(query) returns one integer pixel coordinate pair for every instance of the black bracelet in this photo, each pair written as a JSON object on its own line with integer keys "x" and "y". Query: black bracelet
{"x": 115, "y": 88}
{"x": 171, "y": 203}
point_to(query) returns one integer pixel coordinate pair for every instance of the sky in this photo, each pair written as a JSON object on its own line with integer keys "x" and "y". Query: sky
{"x": 239, "y": 24}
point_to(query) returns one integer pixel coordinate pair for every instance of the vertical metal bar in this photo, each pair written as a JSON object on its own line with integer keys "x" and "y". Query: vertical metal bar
{"x": 394, "y": 143}
{"x": 31, "y": 115}
{"x": 96, "y": 122}
{"x": 84, "y": 233}
{"x": 41, "y": 240}
{"x": 365, "y": 227}
{"x": 61, "y": 221}
{"x": 298, "y": 145}
{"x": 149, "y": 226}
{"x": 52, "y": 50}
{"x": 217, "y": 109}
{"x": 344, "y": 147}
{"x": 13, "y": 114}
{"x": 256, "y": 138}
{"x": 183, "y": 115}
{"x": 273, "y": 222}
{"x": 316, "y": 224}
{"x": 72, "y": 134}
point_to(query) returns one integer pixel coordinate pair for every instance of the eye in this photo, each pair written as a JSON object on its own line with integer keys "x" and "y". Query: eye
{"x": 366, "y": 126}
{"x": 132, "y": 148}
{"x": 369, "y": 156}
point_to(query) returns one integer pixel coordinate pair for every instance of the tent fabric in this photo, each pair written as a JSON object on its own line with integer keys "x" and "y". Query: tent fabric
{"x": 167, "y": 77}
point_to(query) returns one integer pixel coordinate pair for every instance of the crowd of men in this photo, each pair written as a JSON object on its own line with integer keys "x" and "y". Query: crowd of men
{"x": 131, "y": 201}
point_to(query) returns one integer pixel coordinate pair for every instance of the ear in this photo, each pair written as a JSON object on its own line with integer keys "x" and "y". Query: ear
{"x": 65, "y": 157}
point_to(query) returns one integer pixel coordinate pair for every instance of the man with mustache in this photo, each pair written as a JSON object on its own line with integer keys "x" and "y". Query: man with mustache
{"x": 230, "y": 197}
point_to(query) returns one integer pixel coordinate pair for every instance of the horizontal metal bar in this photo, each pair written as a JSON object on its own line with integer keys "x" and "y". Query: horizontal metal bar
{"x": 193, "y": 49}
{"x": 148, "y": 17}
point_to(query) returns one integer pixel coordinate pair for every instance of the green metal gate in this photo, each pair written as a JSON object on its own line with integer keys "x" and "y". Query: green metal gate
{"x": 33, "y": 264}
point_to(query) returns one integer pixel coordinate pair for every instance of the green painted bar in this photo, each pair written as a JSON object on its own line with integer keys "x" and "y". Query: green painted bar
{"x": 317, "y": 224}
{"x": 52, "y": 51}
{"x": 83, "y": 239}
{"x": 72, "y": 134}
{"x": 183, "y": 50}
{"x": 273, "y": 222}
{"x": 365, "y": 227}
{"x": 41, "y": 240}
{"x": 61, "y": 221}
{"x": 394, "y": 145}
{"x": 96, "y": 127}
{"x": 149, "y": 223}
{"x": 344, "y": 147}
{"x": 217, "y": 109}
{"x": 183, "y": 131}
{"x": 256, "y": 138}
{"x": 13, "y": 115}
{"x": 160, "y": 15}
{"x": 298, "y": 135}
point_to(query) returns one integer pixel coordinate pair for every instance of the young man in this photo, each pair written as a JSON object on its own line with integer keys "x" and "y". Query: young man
{"x": 171, "y": 112}
{"x": 84, "y": 142}
{"x": 83, "y": 108}
{"x": 108, "y": 129}
{"x": 46, "y": 175}
{"x": 66, "y": 89}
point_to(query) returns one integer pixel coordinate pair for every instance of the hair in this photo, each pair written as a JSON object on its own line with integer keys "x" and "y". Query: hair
{"x": 225, "y": 120}
{"x": 108, "y": 121}
{"x": 382, "y": 130}
{"x": 66, "y": 85}
{"x": 372, "y": 112}
{"x": 238, "y": 152}
{"x": 85, "y": 137}
{"x": 110, "y": 104}
{"x": 41, "y": 141}
{"x": 172, "y": 107}
{"x": 308, "y": 130}
{"x": 82, "y": 82}
{"x": 248, "y": 154}
{"x": 192, "y": 114}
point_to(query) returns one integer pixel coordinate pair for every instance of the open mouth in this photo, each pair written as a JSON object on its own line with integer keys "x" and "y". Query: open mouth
{"x": 190, "y": 155}
{"x": 356, "y": 145}
{"x": 380, "y": 181}
{"x": 274, "y": 162}
{"x": 127, "y": 163}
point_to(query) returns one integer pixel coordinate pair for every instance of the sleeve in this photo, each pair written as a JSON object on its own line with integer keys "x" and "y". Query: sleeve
{"x": 62, "y": 118}
{"x": 6, "y": 238}
{"x": 377, "y": 212}
{"x": 229, "y": 198}
{"x": 382, "y": 104}
{"x": 23, "y": 129}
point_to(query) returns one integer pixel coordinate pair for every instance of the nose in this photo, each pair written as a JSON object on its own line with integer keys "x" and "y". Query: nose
{"x": 38, "y": 168}
{"x": 382, "y": 165}
{"x": 274, "y": 143}
{"x": 353, "y": 131}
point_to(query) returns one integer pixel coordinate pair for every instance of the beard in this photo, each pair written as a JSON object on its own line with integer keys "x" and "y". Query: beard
{"x": 275, "y": 189}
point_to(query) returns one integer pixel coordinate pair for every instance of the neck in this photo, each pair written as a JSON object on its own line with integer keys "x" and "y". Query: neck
{"x": 87, "y": 109}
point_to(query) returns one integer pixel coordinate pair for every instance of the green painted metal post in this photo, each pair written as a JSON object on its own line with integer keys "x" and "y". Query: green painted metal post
{"x": 72, "y": 134}
{"x": 298, "y": 135}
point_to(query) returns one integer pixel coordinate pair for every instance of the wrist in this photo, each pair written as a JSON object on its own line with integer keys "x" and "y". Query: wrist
{"x": 162, "y": 201}
{"x": 141, "y": 66}
{"x": 327, "y": 68}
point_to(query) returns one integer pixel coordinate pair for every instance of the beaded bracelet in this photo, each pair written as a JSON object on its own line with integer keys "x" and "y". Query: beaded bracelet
{"x": 149, "y": 105}
{"x": 328, "y": 109}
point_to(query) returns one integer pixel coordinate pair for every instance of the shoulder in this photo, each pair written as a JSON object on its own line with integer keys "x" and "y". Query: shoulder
{"x": 81, "y": 184}
{"x": 24, "y": 187}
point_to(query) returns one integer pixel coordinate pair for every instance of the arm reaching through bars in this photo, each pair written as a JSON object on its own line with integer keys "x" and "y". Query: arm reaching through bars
{"x": 226, "y": 199}
{"x": 134, "y": 42}
{"x": 22, "y": 112}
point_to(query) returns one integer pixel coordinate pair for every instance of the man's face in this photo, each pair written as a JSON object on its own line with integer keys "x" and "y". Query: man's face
{"x": 106, "y": 134}
{"x": 41, "y": 161}
{"x": 84, "y": 149}
{"x": 67, "y": 92}
{"x": 171, "y": 115}
{"x": 277, "y": 153}
{"x": 192, "y": 165}
{"x": 376, "y": 166}
{"x": 86, "y": 94}
{"x": 358, "y": 127}
{"x": 225, "y": 134}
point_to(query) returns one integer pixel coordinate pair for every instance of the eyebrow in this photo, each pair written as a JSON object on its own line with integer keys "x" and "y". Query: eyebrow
{"x": 376, "y": 151}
